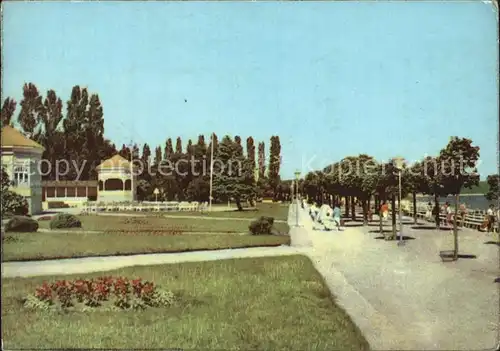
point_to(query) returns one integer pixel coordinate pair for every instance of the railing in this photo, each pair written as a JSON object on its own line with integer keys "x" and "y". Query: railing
{"x": 473, "y": 219}
{"x": 146, "y": 206}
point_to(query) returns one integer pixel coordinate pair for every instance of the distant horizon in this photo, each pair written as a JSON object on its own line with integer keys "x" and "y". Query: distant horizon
{"x": 400, "y": 80}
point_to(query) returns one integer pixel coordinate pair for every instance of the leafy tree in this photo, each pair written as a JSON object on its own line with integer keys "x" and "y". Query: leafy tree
{"x": 314, "y": 186}
{"x": 232, "y": 174}
{"x": 189, "y": 148}
{"x": 145, "y": 175}
{"x": 11, "y": 202}
{"x": 360, "y": 177}
{"x": 415, "y": 184}
{"x": 125, "y": 152}
{"x": 74, "y": 129}
{"x": 31, "y": 108}
{"x": 201, "y": 165}
{"x": 8, "y": 109}
{"x": 158, "y": 157}
{"x": 51, "y": 137}
{"x": 262, "y": 160}
{"x": 493, "y": 181}
{"x": 169, "y": 149}
{"x": 146, "y": 153}
{"x": 199, "y": 189}
{"x": 178, "y": 146}
{"x": 94, "y": 135}
{"x": 239, "y": 147}
{"x": 432, "y": 182}
{"x": 458, "y": 162}
{"x": 251, "y": 151}
{"x": 216, "y": 145}
{"x": 274, "y": 162}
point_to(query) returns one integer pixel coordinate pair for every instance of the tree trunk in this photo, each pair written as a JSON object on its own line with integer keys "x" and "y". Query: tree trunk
{"x": 368, "y": 208}
{"x": 238, "y": 204}
{"x": 365, "y": 212}
{"x": 455, "y": 229}
{"x": 393, "y": 215}
{"x": 353, "y": 208}
{"x": 380, "y": 219}
{"x": 346, "y": 206}
{"x": 415, "y": 207}
{"x": 436, "y": 205}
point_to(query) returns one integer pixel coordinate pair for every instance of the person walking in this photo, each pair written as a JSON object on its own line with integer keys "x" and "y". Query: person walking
{"x": 447, "y": 208}
{"x": 428, "y": 212}
{"x": 463, "y": 214}
{"x": 384, "y": 211}
{"x": 491, "y": 218}
{"x": 336, "y": 216}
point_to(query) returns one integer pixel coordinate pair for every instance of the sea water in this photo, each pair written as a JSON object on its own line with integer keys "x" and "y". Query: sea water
{"x": 476, "y": 202}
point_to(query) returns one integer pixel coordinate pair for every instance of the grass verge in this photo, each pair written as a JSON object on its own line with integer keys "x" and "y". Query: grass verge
{"x": 151, "y": 223}
{"x": 38, "y": 246}
{"x": 278, "y": 303}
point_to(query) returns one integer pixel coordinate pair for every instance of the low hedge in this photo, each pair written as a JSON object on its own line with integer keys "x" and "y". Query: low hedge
{"x": 65, "y": 220}
{"x": 262, "y": 226}
{"x": 21, "y": 224}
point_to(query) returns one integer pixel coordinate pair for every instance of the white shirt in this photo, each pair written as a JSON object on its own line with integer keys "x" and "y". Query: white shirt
{"x": 448, "y": 209}
{"x": 490, "y": 212}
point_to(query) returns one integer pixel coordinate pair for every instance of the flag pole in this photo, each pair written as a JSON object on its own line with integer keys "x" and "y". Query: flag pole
{"x": 211, "y": 172}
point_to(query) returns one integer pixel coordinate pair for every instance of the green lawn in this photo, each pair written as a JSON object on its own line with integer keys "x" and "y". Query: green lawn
{"x": 278, "y": 303}
{"x": 118, "y": 235}
{"x": 276, "y": 210}
{"x": 149, "y": 223}
{"x": 32, "y": 246}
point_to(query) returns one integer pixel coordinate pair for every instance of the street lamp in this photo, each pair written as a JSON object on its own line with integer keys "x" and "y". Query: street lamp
{"x": 297, "y": 177}
{"x": 211, "y": 172}
{"x": 399, "y": 163}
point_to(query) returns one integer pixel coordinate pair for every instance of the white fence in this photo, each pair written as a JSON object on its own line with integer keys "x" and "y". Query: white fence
{"x": 146, "y": 206}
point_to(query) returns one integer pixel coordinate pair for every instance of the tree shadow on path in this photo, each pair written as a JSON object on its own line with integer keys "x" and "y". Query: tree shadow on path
{"x": 397, "y": 238}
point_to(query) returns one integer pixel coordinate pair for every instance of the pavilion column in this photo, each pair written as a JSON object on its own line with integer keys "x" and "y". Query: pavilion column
{"x": 65, "y": 192}
{"x": 87, "y": 190}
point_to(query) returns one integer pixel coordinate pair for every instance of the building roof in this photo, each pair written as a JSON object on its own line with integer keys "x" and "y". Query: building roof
{"x": 114, "y": 162}
{"x": 11, "y": 137}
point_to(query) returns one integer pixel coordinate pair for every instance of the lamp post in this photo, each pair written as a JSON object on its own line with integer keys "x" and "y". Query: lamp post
{"x": 131, "y": 147}
{"x": 156, "y": 192}
{"x": 297, "y": 177}
{"x": 211, "y": 172}
{"x": 399, "y": 163}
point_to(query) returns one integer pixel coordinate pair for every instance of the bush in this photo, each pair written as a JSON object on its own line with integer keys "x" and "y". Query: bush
{"x": 10, "y": 201}
{"x": 57, "y": 204}
{"x": 65, "y": 220}
{"x": 261, "y": 226}
{"x": 21, "y": 224}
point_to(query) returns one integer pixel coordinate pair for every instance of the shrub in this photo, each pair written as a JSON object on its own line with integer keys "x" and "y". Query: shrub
{"x": 10, "y": 201}
{"x": 57, "y": 204}
{"x": 262, "y": 225}
{"x": 65, "y": 220}
{"x": 21, "y": 224}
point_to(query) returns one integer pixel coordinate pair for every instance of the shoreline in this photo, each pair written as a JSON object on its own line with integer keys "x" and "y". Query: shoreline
{"x": 461, "y": 195}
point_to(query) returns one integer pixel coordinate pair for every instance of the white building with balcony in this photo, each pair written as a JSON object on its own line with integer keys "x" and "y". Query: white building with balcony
{"x": 21, "y": 158}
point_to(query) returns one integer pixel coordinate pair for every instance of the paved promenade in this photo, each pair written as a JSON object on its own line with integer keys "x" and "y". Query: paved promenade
{"x": 405, "y": 297}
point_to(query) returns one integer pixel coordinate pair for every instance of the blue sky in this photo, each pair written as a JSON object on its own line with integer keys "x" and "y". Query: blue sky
{"x": 332, "y": 79}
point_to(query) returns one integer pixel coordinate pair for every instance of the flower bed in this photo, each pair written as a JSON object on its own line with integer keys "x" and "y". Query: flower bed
{"x": 103, "y": 293}
{"x": 172, "y": 230}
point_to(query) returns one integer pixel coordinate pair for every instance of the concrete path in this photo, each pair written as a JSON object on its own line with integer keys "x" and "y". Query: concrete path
{"x": 100, "y": 264}
{"x": 405, "y": 298}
